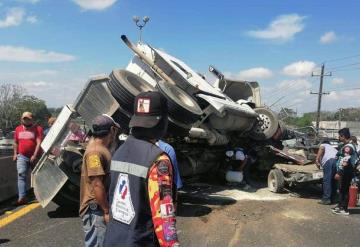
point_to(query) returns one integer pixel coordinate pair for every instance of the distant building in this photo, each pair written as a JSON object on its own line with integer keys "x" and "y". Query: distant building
{"x": 330, "y": 128}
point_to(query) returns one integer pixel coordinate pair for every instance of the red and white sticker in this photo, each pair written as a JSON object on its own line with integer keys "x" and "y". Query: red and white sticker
{"x": 143, "y": 105}
{"x": 167, "y": 210}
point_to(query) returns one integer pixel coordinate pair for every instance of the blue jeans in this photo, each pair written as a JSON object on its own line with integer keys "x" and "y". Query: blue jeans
{"x": 329, "y": 183}
{"x": 22, "y": 166}
{"x": 94, "y": 228}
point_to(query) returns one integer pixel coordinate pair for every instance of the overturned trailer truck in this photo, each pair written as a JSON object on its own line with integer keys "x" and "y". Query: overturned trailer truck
{"x": 203, "y": 119}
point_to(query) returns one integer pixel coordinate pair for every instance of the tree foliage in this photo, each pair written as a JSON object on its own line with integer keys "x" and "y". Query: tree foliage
{"x": 343, "y": 114}
{"x": 14, "y": 101}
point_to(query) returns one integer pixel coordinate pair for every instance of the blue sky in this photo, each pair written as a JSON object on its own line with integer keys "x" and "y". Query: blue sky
{"x": 51, "y": 47}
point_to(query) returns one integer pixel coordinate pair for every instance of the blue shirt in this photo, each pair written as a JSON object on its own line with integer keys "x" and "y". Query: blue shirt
{"x": 169, "y": 150}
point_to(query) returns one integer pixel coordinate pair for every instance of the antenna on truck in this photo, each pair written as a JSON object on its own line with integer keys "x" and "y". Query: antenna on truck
{"x": 140, "y": 25}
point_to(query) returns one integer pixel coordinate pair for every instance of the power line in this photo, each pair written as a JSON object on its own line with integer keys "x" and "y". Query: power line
{"x": 286, "y": 87}
{"x": 346, "y": 69}
{"x": 343, "y": 66}
{"x": 341, "y": 58}
{"x": 345, "y": 89}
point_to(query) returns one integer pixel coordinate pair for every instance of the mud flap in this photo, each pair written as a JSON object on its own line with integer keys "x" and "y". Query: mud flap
{"x": 47, "y": 180}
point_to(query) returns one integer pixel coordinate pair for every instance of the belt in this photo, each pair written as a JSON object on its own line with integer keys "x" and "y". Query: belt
{"x": 94, "y": 206}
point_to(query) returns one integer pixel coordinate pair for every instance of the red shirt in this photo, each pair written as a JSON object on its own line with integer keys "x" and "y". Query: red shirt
{"x": 26, "y": 139}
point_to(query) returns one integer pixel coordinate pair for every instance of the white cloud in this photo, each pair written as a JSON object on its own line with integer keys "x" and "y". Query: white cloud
{"x": 337, "y": 80}
{"x": 300, "y": 68}
{"x": 283, "y": 28}
{"x": 37, "y": 87}
{"x": 14, "y": 17}
{"x": 32, "y": 19}
{"x": 294, "y": 85}
{"x": 289, "y": 93}
{"x": 94, "y": 4}
{"x": 255, "y": 73}
{"x": 37, "y": 84}
{"x": 328, "y": 38}
{"x": 22, "y": 54}
{"x": 342, "y": 95}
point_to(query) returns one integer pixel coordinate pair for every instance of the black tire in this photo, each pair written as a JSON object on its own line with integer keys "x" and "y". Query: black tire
{"x": 175, "y": 130}
{"x": 123, "y": 120}
{"x": 182, "y": 107}
{"x": 266, "y": 125}
{"x": 125, "y": 85}
{"x": 68, "y": 197}
{"x": 276, "y": 182}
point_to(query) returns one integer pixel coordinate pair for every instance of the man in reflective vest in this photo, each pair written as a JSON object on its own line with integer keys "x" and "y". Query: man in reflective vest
{"x": 142, "y": 190}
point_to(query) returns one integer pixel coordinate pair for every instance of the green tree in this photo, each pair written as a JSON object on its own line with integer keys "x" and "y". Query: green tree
{"x": 14, "y": 101}
{"x": 36, "y": 106}
{"x": 10, "y": 95}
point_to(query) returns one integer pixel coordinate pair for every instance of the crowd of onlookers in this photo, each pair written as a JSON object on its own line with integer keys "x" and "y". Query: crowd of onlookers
{"x": 128, "y": 196}
{"x": 340, "y": 166}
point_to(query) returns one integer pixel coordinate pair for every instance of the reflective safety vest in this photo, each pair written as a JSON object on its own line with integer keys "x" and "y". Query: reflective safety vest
{"x": 130, "y": 214}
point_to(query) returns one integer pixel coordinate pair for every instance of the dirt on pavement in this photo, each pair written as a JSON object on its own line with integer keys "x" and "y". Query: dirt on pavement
{"x": 286, "y": 220}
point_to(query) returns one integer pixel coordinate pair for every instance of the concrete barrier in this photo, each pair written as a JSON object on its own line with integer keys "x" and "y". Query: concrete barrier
{"x": 8, "y": 178}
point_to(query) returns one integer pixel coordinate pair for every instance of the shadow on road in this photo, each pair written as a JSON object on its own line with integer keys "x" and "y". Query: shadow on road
{"x": 3, "y": 241}
{"x": 191, "y": 210}
{"x": 306, "y": 191}
{"x": 10, "y": 204}
{"x": 62, "y": 212}
{"x": 194, "y": 200}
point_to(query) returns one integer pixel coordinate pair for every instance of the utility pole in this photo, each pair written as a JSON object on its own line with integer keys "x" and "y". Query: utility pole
{"x": 320, "y": 93}
{"x": 340, "y": 110}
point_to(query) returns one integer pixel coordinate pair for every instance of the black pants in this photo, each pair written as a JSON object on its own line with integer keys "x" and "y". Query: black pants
{"x": 344, "y": 185}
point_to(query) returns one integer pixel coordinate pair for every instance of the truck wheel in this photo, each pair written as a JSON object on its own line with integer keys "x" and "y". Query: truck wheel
{"x": 125, "y": 85}
{"x": 266, "y": 125}
{"x": 276, "y": 181}
{"x": 182, "y": 107}
{"x": 68, "y": 197}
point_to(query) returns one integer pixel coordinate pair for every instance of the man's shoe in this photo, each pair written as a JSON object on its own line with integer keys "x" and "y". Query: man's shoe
{"x": 325, "y": 202}
{"x": 336, "y": 208}
{"x": 20, "y": 202}
{"x": 341, "y": 212}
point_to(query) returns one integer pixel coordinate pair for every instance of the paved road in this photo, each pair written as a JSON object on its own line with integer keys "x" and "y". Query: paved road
{"x": 212, "y": 216}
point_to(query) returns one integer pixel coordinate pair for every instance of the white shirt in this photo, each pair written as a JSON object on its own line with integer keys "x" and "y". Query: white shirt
{"x": 239, "y": 155}
{"x": 329, "y": 153}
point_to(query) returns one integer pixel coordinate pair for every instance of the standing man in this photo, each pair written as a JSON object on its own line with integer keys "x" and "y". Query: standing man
{"x": 27, "y": 140}
{"x": 325, "y": 159}
{"x": 51, "y": 122}
{"x": 142, "y": 190}
{"x": 94, "y": 184}
{"x": 346, "y": 160}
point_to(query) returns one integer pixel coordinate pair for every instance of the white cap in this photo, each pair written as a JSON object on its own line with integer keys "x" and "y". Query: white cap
{"x": 229, "y": 153}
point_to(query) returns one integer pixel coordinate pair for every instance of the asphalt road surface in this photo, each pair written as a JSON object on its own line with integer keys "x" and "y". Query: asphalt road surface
{"x": 209, "y": 216}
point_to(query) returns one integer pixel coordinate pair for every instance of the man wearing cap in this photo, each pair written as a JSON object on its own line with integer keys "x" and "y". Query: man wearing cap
{"x": 142, "y": 190}
{"x": 27, "y": 140}
{"x": 95, "y": 180}
{"x": 346, "y": 160}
